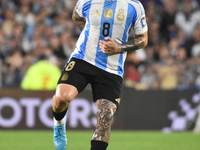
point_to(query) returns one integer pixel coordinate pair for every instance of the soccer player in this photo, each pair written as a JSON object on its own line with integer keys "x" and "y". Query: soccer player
{"x": 98, "y": 59}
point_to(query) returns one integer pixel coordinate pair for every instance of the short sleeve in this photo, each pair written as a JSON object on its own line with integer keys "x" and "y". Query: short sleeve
{"x": 82, "y": 7}
{"x": 78, "y": 8}
{"x": 140, "y": 25}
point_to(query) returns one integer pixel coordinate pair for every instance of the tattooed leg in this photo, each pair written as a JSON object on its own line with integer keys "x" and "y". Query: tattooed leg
{"x": 105, "y": 112}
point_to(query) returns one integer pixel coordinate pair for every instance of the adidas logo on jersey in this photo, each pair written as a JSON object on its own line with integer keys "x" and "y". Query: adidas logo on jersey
{"x": 95, "y": 13}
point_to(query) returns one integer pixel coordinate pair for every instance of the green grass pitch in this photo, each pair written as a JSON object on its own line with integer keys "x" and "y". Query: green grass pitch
{"x": 120, "y": 140}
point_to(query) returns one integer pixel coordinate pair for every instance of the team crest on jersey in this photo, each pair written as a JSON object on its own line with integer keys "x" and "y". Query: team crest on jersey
{"x": 120, "y": 15}
{"x": 108, "y": 13}
{"x": 64, "y": 77}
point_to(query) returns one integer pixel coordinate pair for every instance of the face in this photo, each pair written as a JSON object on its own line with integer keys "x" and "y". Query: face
{"x": 55, "y": 42}
{"x": 197, "y": 34}
{"x": 187, "y": 6}
{"x": 181, "y": 55}
{"x": 1, "y": 38}
{"x": 25, "y": 9}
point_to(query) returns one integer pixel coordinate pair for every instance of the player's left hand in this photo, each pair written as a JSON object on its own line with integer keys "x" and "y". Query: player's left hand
{"x": 109, "y": 46}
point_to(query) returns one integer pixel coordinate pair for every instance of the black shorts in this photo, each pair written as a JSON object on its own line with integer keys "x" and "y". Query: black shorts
{"x": 104, "y": 84}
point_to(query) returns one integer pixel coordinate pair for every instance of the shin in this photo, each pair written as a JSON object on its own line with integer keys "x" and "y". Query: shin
{"x": 105, "y": 112}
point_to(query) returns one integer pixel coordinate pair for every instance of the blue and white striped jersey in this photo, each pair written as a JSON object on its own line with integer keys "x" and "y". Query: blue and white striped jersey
{"x": 106, "y": 18}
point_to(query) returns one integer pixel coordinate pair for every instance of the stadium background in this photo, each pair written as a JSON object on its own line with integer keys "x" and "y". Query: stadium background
{"x": 161, "y": 81}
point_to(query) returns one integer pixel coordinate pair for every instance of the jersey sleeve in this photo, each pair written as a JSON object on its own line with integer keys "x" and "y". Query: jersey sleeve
{"x": 82, "y": 7}
{"x": 79, "y": 7}
{"x": 140, "y": 23}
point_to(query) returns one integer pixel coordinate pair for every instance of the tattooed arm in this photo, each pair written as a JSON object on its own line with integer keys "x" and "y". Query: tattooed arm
{"x": 138, "y": 42}
{"x": 111, "y": 47}
{"x": 79, "y": 21}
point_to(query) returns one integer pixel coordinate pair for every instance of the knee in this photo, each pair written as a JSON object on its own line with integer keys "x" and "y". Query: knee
{"x": 61, "y": 100}
{"x": 105, "y": 109}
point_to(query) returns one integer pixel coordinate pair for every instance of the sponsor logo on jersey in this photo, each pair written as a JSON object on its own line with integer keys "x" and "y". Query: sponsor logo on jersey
{"x": 95, "y": 13}
{"x": 143, "y": 22}
{"x": 120, "y": 15}
{"x": 108, "y": 13}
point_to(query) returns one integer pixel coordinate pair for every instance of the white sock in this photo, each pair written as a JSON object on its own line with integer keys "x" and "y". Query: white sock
{"x": 59, "y": 122}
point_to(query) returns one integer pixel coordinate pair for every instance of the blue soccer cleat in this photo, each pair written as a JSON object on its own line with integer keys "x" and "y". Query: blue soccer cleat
{"x": 59, "y": 137}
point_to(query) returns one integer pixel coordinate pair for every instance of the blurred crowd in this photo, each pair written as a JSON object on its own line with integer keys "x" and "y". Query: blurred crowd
{"x": 172, "y": 58}
{"x": 34, "y": 30}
